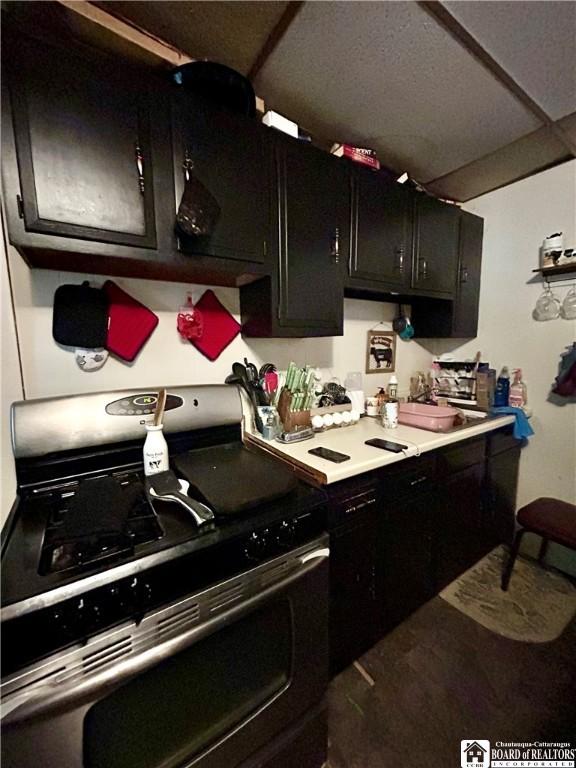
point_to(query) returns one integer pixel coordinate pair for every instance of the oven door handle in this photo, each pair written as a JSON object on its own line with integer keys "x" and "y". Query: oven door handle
{"x": 54, "y": 695}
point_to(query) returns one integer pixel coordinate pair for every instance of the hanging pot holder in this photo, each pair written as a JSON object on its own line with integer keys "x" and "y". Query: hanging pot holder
{"x": 80, "y": 316}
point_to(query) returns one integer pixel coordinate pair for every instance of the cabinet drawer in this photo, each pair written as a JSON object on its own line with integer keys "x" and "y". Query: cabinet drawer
{"x": 501, "y": 441}
{"x": 352, "y": 506}
{"x": 462, "y": 455}
{"x": 409, "y": 477}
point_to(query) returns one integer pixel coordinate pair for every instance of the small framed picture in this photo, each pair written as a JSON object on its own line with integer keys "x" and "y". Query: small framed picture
{"x": 381, "y": 352}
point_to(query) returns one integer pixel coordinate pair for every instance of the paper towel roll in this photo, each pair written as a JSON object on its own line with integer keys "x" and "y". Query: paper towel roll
{"x": 357, "y": 399}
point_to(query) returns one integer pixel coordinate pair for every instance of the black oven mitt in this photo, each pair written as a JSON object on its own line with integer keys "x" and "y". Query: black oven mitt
{"x": 80, "y": 317}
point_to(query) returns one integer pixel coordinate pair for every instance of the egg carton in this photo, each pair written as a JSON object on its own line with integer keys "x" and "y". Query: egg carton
{"x": 345, "y": 417}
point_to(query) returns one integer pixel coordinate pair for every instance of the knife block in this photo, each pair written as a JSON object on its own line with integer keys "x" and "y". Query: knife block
{"x": 291, "y": 419}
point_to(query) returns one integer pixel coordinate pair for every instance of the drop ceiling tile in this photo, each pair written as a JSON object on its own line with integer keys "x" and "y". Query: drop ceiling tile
{"x": 231, "y": 33}
{"x": 533, "y": 41}
{"x": 388, "y": 76}
{"x": 568, "y": 125}
{"x": 524, "y": 157}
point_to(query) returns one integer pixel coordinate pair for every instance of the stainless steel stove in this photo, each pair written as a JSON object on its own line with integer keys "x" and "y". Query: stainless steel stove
{"x": 106, "y": 591}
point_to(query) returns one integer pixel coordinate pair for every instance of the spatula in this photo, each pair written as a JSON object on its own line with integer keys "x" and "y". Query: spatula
{"x": 167, "y": 487}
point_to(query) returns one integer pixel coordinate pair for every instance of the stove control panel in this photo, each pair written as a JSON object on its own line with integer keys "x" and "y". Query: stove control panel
{"x": 141, "y": 404}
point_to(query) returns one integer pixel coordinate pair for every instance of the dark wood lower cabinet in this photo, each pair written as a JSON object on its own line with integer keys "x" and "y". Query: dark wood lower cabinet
{"x": 462, "y": 532}
{"x": 418, "y": 526}
{"x": 356, "y": 609}
{"x": 406, "y": 556}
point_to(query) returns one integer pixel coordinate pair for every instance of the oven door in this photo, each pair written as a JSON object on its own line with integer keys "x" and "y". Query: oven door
{"x": 204, "y": 682}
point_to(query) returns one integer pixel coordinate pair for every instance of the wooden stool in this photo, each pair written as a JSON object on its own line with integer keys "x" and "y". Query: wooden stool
{"x": 552, "y": 519}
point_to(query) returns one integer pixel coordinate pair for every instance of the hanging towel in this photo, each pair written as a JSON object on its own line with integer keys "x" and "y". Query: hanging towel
{"x": 522, "y": 429}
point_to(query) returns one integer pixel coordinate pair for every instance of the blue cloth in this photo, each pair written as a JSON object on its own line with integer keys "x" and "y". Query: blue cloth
{"x": 522, "y": 428}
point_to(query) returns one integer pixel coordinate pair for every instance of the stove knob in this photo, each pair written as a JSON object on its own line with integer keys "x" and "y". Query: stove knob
{"x": 286, "y": 534}
{"x": 255, "y": 547}
{"x": 65, "y": 623}
{"x": 141, "y": 592}
{"x": 114, "y": 604}
{"x": 88, "y": 616}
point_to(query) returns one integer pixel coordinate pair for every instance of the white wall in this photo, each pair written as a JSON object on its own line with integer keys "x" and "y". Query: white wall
{"x": 50, "y": 370}
{"x": 10, "y": 387}
{"x": 517, "y": 218}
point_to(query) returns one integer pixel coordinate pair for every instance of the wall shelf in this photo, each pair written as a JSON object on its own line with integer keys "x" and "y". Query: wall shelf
{"x": 561, "y": 272}
{"x": 561, "y": 269}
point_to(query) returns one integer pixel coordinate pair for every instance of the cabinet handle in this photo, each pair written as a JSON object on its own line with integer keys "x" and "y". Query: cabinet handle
{"x": 335, "y": 249}
{"x": 422, "y": 269}
{"x": 419, "y": 480}
{"x": 400, "y": 260}
{"x": 140, "y": 166}
{"x": 187, "y": 165}
{"x": 463, "y": 274}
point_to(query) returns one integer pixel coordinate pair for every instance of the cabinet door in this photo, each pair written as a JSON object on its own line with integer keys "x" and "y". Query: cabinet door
{"x": 355, "y": 607}
{"x": 465, "y": 320}
{"x": 436, "y": 246}
{"x": 314, "y": 211}
{"x": 229, "y": 154}
{"x": 406, "y": 542}
{"x": 502, "y": 488}
{"x": 463, "y": 533}
{"x": 381, "y": 240}
{"x": 83, "y": 148}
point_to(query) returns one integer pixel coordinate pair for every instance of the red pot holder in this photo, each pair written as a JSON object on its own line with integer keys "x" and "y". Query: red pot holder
{"x": 130, "y": 323}
{"x": 220, "y": 327}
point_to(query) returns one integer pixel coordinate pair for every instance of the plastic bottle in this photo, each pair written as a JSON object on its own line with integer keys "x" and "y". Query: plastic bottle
{"x": 393, "y": 388}
{"x": 155, "y": 451}
{"x": 502, "y": 393}
{"x": 518, "y": 392}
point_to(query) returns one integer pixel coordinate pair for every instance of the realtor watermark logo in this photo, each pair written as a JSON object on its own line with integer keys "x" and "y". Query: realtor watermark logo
{"x": 475, "y": 754}
{"x": 479, "y": 753}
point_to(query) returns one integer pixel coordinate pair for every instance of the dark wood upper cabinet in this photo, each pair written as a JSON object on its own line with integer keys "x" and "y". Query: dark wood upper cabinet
{"x": 381, "y": 236}
{"x": 313, "y": 208}
{"x": 436, "y": 233}
{"x": 82, "y": 138}
{"x": 304, "y": 296}
{"x": 230, "y": 155}
{"x": 458, "y": 318}
{"x": 466, "y": 304}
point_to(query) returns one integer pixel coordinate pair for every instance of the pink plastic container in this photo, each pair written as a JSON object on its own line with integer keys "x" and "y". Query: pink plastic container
{"x": 436, "y": 418}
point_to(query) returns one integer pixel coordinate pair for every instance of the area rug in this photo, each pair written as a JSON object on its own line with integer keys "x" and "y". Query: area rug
{"x": 537, "y": 607}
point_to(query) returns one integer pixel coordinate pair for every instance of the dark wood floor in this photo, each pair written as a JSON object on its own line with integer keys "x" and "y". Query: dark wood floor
{"x": 440, "y": 677}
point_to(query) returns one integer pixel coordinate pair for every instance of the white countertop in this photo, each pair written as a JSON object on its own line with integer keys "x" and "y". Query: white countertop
{"x": 364, "y": 458}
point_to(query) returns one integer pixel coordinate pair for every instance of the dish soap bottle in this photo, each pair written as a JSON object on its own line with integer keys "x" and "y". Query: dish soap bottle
{"x": 518, "y": 392}
{"x": 502, "y": 393}
{"x": 155, "y": 451}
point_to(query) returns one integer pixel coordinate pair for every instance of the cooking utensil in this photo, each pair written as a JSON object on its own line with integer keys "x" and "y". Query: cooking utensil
{"x": 167, "y": 487}
{"x": 160, "y": 405}
{"x": 240, "y": 372}
{"x": 251, "y": 370}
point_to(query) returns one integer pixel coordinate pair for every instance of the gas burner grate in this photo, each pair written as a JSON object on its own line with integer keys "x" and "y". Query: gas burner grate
{"x": 63, "y": 554}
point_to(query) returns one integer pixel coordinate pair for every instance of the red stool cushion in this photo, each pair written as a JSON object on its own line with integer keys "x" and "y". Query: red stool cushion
{"x": 552, "y": 519}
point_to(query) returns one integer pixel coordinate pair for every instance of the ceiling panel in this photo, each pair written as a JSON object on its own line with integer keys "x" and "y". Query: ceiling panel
{"x": 231, "y": 33}
{"x": 568, "y": 125}
{"x": 386, "y": 75}
{"x": 533, "y": 41}
{"x": 528, "y": 155}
